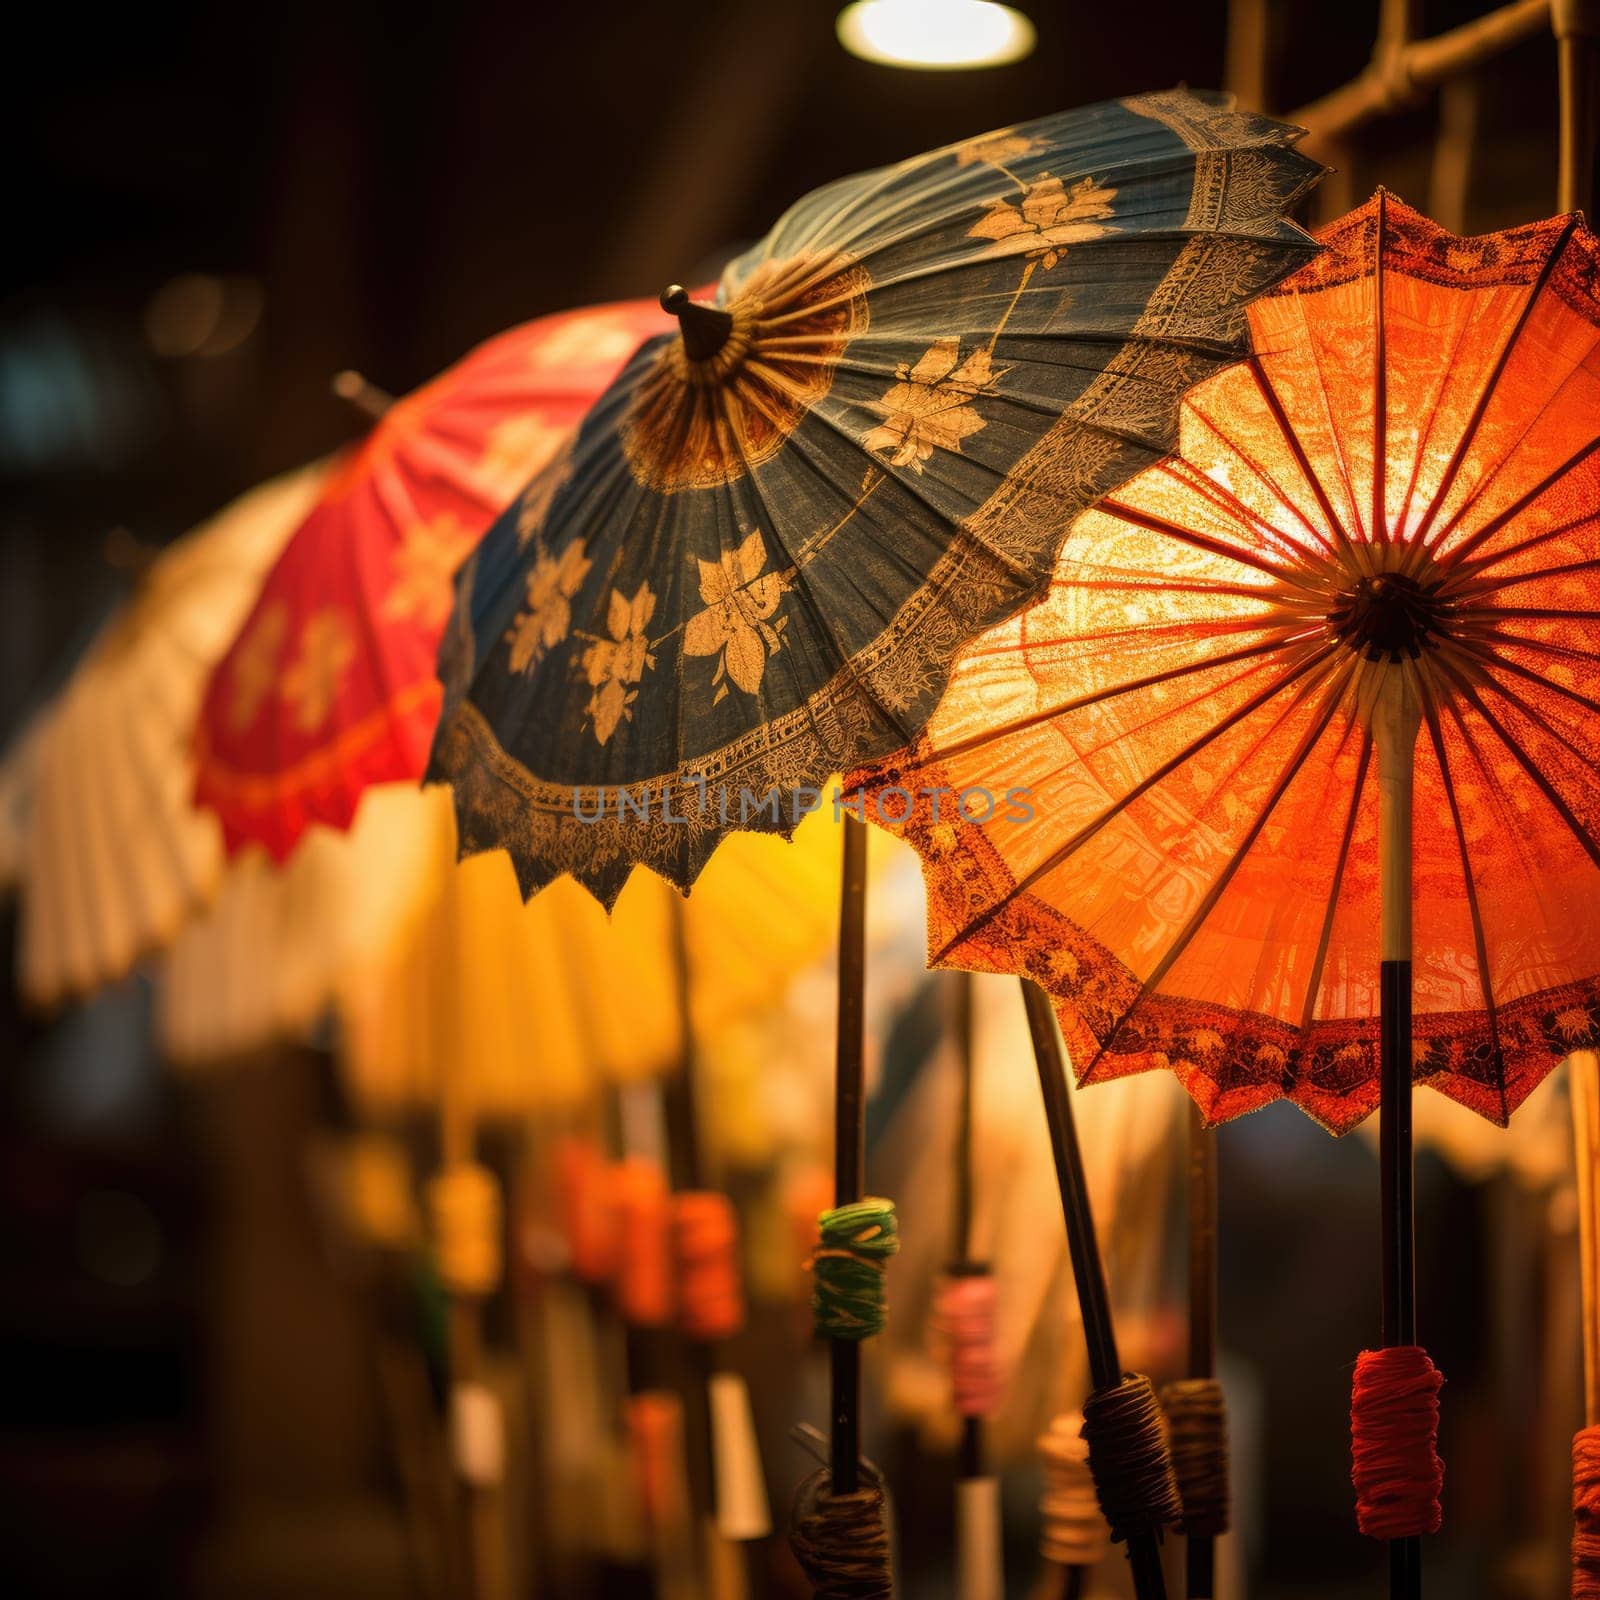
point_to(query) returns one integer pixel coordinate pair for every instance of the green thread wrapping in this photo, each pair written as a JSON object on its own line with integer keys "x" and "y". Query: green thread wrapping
{"x": 849, "y": 1269}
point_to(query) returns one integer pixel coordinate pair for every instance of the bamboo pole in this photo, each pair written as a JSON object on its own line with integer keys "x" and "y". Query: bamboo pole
{"x": 1400, "y": 75}
{"x": 1576, "y": 24}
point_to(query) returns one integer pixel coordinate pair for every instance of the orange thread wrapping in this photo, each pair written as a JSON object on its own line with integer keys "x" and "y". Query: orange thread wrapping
{"x": 587, "y": 1209}
{"x": 1586, "y": 1514}
{"x": 643, "y": 1282}
{"x": 655, "y": 1431}
{"x": 1394, "y": 1425}
{"x": 805, "y": 1197}
{"x": 705, "y": 1236}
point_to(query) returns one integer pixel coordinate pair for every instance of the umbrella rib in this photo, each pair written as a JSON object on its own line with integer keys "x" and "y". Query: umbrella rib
{"x": 1268, "y": 479}
{"x": 1498, "y": 662}
{"x": 1460, "y": 569}
{"x": 1148, "y": 634}
{"x": 1241, "y": 591}
{"x": 1216, "y": 547}
{"x": 1469, "y": 434}
{"x": 1494, "y": 635}
{"x": 1208, "y": 904}
{"x": 1536, "y": 613}
{"x": 1292, "y": 438}
{"x": 1470, "y": 694}
{"x": 1359, "y": 548}
{"x": 1430, "y": 711}
{"x": 1380, "y": 384}
{"x": 1090, "y": 829}
{"x": 1223, "y": 350}
{"x": 1533, "y": 714}
{"x": 1419, "y": 452}
{"x": 1517, "y": 507}
{"x": 1004, "y": 730}
{"x": 1325, "y": 939}
{"x": 1496, "y": 585}
{"x": 1221, "y": 498}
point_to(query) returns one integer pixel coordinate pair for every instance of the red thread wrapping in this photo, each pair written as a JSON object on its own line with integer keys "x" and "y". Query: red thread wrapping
{"x": 964, "y": 1317}
{"x": 705, "y": 1236}
{"x": 1586, "y": 1514}
{"x": 643, "y": 1283}
{"x": 587, "y": 1210}
{"x": 654, "y": 1420}
{"x": 1394, "y": 1428}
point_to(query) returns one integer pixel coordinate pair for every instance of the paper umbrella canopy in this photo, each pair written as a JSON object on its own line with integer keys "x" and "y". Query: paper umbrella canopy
{"x": 778, "y": 525}
{"x": 111, "y": 855}
{"x": 1404, "y": 477}
{"x": 330, "y": 684}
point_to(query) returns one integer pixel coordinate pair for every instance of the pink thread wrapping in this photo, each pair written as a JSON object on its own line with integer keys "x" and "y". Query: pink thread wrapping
{"x": 964, "y": 1317}
{"x": 1586, "y": 1514}
{"x": 1394, "y": 1427}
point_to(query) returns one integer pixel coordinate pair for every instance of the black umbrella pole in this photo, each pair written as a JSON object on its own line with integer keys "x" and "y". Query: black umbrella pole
{"x": 1395, "y": 722}
{"x": 849, "y": 1133}
{"x": 970, "y": 1464}
{"x": 1094, "y": 1302}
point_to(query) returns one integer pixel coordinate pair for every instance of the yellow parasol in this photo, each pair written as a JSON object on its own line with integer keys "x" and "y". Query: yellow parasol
{"x": 536, "y": 1004}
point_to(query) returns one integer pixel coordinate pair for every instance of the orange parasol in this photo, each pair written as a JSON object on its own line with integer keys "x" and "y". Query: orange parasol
{"x": 1198, "y": 886}
{"x": 1386, "y": 520}
{"x": 330, "y": 686}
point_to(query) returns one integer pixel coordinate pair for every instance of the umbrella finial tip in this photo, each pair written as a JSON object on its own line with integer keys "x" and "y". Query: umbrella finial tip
{"x": 705, "y": 328}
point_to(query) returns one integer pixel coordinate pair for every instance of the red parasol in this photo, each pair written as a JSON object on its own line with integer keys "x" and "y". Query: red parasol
{"x": 330, "y": 685}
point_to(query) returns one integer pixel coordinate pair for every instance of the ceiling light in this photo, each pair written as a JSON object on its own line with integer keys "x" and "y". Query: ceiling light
{"x": 938, "y": 34}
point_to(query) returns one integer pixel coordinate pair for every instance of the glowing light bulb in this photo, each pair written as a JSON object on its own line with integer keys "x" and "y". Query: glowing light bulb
{"x": 935, "y": 34}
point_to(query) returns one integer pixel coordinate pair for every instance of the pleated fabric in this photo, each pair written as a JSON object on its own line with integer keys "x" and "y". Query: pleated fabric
{"x": 112, "y": 856}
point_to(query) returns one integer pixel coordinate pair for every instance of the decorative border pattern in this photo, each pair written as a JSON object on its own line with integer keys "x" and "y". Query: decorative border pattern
{"x": 998, "y": 563}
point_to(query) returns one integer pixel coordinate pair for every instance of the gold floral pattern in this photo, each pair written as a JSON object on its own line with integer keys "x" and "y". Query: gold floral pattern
{"x": 255, "y": 664}
{"x": 613, "y": 665}
{"x": 516, "y": 449}
{"x": 930, "y": 407}
{"x": 595, "y": 339}
{"x": 737, "y": 625}
{"x": 547, "y": 618}
{"x": 312, "y": 680}
{"x": 1049, "y": 218}
{"x": 425, "y": 561}
{"x": 998, "y": 149}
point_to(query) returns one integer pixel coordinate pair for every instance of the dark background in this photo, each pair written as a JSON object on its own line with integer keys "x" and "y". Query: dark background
{"x": 382, "y": 186}
{"x": 214, "y": 208}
